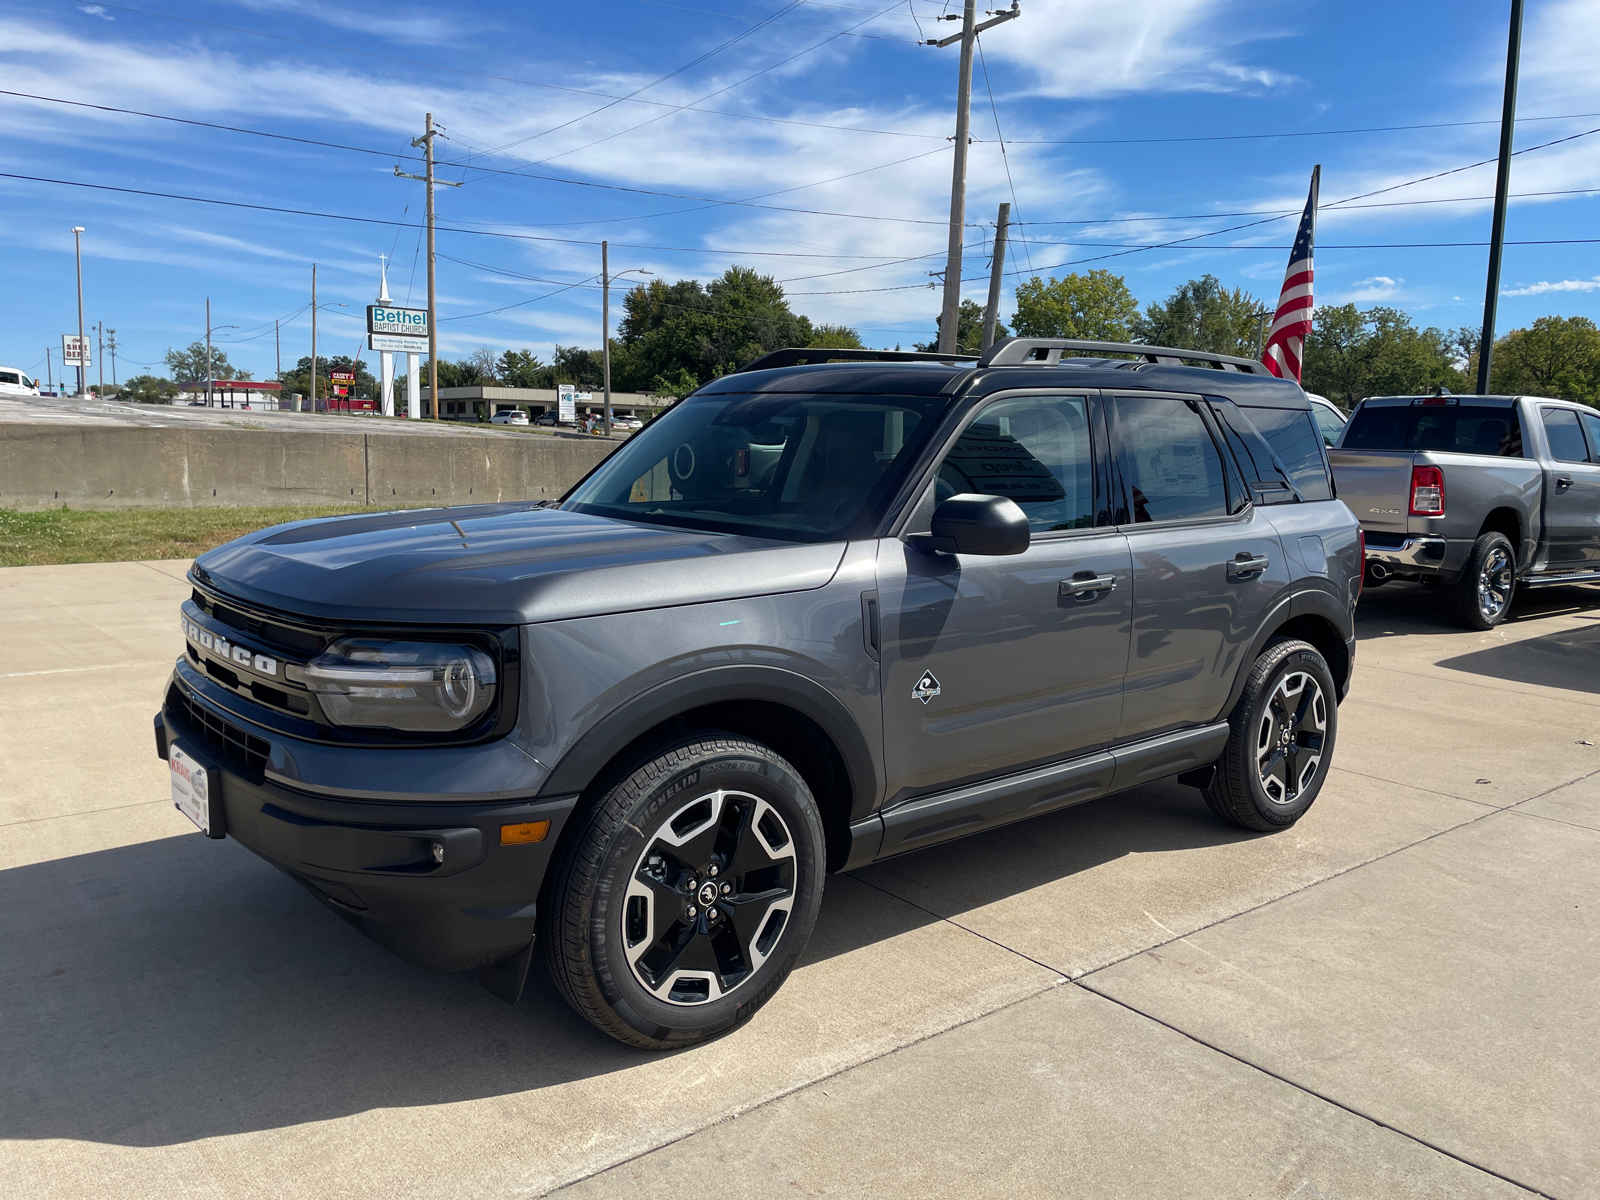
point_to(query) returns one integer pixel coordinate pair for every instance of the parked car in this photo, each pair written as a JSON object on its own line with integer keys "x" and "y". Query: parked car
{"x": 1480, "y": 495}
{"x": 1329, "y": 416}
{"x": 15, "y": 383}
{"x": 548, "y": 417}
{"x": 626, "y": 423}
{"x": 509, "y": 416}
{"x": 828, "y": 609}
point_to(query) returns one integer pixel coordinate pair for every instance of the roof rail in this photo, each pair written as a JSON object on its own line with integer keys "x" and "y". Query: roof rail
{"x": 1018, "y": 350}
{"x": 801, "y": 355}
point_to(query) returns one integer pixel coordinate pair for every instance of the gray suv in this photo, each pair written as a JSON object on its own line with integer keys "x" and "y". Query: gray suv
{"x": 834, "y": 607}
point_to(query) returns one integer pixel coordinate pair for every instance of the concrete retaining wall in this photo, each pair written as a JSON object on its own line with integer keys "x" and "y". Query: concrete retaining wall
{"x": 43, "y": 466}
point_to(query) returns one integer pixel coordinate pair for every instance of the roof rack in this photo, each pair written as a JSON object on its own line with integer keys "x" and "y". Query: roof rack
{"x": 802, "y": 355}
{"x": 1048, "y": 351}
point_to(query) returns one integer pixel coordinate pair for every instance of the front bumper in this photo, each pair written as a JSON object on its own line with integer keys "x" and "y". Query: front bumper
{"x": 427, "y": 879}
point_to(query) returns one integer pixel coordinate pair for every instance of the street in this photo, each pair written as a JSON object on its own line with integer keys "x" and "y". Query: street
{"x": 1127, "y": 998}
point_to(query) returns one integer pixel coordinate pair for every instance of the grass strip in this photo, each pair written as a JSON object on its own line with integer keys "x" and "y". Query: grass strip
{"x": 68, "y": 535}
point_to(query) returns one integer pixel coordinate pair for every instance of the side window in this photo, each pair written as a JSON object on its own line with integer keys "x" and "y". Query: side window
{"x": 1294, "y": 439}
{"x": 1566, "y": 438}
{"x": 1033, "y": 449}
{"x": 8, "y": 377}
{"x": 1330, "y": 422}
{"x": 1170, "y": 463}
{"x": 1591, "y": 426}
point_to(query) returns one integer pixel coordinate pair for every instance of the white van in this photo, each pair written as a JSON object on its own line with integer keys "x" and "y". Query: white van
{"x": 15, "y": 383}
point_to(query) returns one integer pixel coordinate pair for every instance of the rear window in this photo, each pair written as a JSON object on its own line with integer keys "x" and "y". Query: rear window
{"x": 1296, "y": 440}
{"x": 1457, "y": 428}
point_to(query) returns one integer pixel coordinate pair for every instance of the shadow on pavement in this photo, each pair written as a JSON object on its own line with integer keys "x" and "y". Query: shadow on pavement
{"x": 1566, "y": 658}
{"x": 180, "y": 989}
{"x": 1411, "y": 608}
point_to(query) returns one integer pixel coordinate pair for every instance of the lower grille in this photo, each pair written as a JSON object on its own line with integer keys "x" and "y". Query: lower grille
{"x": 223, "y": 735}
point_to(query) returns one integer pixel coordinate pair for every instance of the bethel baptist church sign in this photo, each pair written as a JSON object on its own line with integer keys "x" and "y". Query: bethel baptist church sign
{"x": 401, "y": 322}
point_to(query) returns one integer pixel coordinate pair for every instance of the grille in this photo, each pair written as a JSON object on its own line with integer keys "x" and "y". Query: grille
{"x": 222, "y": 735}
{"x": 285, "y": 637}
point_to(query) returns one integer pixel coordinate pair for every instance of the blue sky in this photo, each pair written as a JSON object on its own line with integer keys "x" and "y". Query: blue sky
{"x": 825, "y": 122}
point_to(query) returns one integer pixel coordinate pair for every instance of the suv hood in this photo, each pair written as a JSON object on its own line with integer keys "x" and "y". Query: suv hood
{"x": 501, "y": 564}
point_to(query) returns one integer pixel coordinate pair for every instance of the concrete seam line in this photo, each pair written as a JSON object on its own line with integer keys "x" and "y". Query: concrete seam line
{"x": 1310, "y": 1091}
{"x": 154, "y": 662}
{"x": 1244, "y": 912}
{"x": 1065, "y": 977}
{"x": 1481, "y": 686}
{"x": 1413, "y": 787}
{"x": 88, "y": 812}
{"x": 1533, "y": 816}
{"x": 800, "y": 1087}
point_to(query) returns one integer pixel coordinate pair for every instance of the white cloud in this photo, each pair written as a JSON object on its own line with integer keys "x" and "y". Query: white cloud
{"x": 1560, "y": 285}
{"x": 95, "y": 10}
{"x": 1365, "y": 291}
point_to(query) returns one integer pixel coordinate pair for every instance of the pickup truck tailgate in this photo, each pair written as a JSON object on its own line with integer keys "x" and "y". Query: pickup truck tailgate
{"x": 1376, "y": 484}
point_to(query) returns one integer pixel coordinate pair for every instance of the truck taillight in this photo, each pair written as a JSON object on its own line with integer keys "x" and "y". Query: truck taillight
{"x": 1427, "y": 492}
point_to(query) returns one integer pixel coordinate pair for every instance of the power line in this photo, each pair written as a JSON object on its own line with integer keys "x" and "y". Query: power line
{"x": 1004, "y": 157}
{"x": 787, "y": 25}
{"x": 1258, "y": 212}
{"x": 1252, "y": 137}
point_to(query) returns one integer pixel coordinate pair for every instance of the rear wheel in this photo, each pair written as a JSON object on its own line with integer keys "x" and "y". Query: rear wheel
{"x": 1280, "y": 741}
{"x": 1482, "y": 597}
{"x": 688, "y": 893}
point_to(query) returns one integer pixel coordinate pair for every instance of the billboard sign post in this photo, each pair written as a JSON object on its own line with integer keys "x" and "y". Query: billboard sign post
{"x": 566, "y": 404}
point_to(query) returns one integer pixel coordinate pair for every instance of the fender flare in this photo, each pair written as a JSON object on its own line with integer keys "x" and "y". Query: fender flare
{"x": 588, "y": 756}
{"x": 1305, "y": 602}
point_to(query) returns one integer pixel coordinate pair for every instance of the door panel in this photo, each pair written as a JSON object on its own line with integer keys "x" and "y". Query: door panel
{"x": 1571, "y": 494}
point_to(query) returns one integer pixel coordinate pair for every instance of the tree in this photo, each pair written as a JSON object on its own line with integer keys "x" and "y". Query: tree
{"x": 1555, "y": 356}
{"x": 1096, "y": 307}
{"x": 189, "y": 366}
{"x": 521, "y": 368}
{"x": 484, "y": 360}
{"x": 148, "y": 389}
{"x": 1351, "y": 354}
{"x": 969, "y": 330}
{"x": 832, "y": 337}
{"x": 1203, "y": 315}
{"x": 299, "y": 378}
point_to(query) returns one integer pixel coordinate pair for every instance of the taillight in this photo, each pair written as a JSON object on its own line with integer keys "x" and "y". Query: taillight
{"x": 1361, "y": 575}
{"x": 1427, "y": 492}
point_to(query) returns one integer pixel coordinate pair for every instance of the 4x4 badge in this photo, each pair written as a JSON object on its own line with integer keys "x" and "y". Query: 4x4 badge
{"x": 927, "y": 688}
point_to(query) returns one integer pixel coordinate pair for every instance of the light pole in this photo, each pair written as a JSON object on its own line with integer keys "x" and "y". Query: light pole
{"x": 77, "y": 243}
{"x": 1502, "y": 189}
{"x": 210, "y": 381}
{"x": 605, "y": 321}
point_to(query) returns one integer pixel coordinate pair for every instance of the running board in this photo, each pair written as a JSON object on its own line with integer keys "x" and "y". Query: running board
{"x": 1539, "y": 581}
{"x": 929, "y": 820}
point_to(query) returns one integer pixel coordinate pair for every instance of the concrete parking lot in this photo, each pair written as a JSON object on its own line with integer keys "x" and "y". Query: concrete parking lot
{"x": 1395, "y": 998}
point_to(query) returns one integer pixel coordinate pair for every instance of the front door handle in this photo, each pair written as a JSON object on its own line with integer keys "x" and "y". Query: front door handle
{"x": 1563, "y": 481}
{"x": 1086, "y": 586}
{"x": 1244, "y": 565}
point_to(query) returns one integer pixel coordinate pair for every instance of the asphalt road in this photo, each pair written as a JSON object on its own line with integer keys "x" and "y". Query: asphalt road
{"x": 46, "y": 410}
{"x": 1394, "y": 998}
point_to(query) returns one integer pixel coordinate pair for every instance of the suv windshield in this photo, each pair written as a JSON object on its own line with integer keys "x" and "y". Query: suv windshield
{"x": 1457, "y": 428}
{"x": 795, "y": 467}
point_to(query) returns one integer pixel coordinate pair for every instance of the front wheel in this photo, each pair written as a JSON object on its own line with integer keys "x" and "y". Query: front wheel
{"x": 1280, "y": 742}
{"x": 1482, "y": 597}
{"x": 688, "y": 892}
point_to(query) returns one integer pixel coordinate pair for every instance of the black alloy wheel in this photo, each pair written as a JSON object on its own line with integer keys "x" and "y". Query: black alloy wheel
{"x": 1280, "y": 742}
{"x": 686, "y": 891}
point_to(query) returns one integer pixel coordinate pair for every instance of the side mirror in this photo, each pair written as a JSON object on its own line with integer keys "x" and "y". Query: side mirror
{"x": 973, "y": 524}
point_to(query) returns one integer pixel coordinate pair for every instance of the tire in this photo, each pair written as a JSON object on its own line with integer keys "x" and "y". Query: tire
{"x": 1481, "y": 598}
{"x": 1264, "y": 780}
{"x": 687, "y": 893}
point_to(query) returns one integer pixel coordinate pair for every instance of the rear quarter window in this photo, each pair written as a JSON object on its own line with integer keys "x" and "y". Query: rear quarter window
{"x": 1295, "y": 439}
{"x": 1456, "y": 428}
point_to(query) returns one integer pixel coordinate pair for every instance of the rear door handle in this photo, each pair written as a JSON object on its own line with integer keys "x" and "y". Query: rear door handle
{"x": 1245, "y": 565}
{"x": 1085, "y": 586}
{"x": 1563, "y": 481}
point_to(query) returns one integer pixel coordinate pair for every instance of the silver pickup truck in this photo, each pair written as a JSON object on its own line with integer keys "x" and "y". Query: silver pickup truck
{"x": 1479, "y": 494}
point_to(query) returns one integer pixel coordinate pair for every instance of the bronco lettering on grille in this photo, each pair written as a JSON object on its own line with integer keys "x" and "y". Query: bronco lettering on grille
{"x": 226, "y": 650}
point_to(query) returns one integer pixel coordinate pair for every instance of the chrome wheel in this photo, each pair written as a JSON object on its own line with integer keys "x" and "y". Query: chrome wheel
{"x": 1290, "y": 737}
{"x": 1495, "y": 582}
{"x": 709, "y": 897}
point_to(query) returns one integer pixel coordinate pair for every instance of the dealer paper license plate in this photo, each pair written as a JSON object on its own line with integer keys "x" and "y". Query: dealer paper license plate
{"x": 192, "y": 789}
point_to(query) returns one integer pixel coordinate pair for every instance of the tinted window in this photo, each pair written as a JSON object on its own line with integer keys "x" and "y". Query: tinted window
{"x": 1034, "y": 449}
{"x": 1294, "y": 438}
{"x": 1331, "y": 423}
{"x": 1458, "y": 428}
{"x": 8, "y": 377}
{"x": 1169, "y": 462}
{"x": 1591, "y": 425}
{"x": 795, "y": 467}
{"x": 1566, "y": 439}
{"x": 1265, "y": 474}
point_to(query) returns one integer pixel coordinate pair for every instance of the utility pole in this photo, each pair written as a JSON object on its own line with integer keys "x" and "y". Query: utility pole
{"x": 426, "y": 142}
{"x": 997, "y": 269}
{"x": 49, "y": 379}
{"x": 208, "y": 352}
{"x": 111, "y": 345}
{"x": 77, "y": 242}
{"x": 313, "y": 337}
{"x": 277, "y": 353}
{"x": 968, "y": 38}
{"x": 100, "y": 340}
{"x": 1502, "y": 186}
{"x": 605, "y": 340}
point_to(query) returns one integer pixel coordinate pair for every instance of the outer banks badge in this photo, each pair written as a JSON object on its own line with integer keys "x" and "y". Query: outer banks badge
{"x": 927, "y": 688}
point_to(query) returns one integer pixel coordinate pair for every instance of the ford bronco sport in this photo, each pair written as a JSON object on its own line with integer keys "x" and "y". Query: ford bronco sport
{"x": 834, "y": 607}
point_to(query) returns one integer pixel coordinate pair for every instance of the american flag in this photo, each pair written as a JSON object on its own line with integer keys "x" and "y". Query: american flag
{"x": 1291, "y": 324}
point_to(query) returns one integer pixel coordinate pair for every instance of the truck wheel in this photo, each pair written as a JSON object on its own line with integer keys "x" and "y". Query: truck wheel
{"x": 1281, "y": 740}
{"x": 1482, "y": 596}
{"x": 687, "y": 893}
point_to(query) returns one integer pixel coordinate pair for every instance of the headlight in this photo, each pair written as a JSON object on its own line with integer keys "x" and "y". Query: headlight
{"x": 420, "y": 687}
